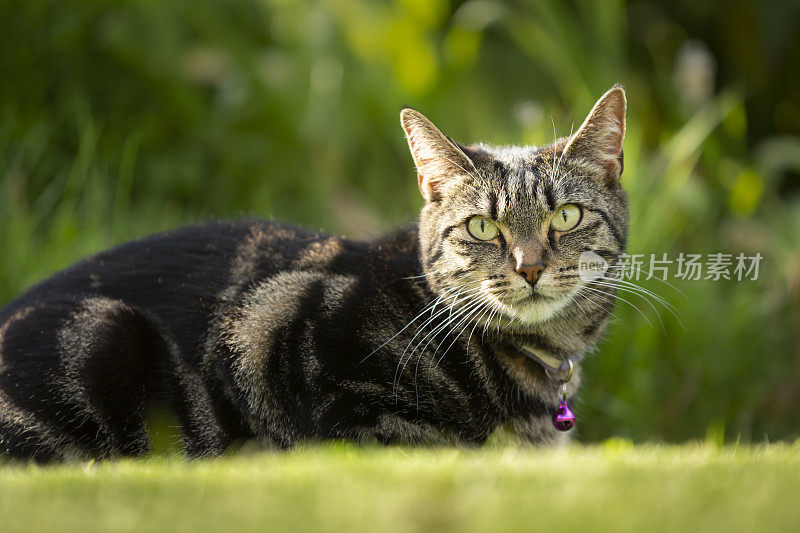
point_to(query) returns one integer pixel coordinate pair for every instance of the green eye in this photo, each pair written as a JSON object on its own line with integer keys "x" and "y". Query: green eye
{"x": 567, "y": 217}
{"x": 482, "y": 229}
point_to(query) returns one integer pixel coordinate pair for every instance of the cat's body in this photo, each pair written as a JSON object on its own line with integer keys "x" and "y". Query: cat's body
{"x": 310, "y": 321}
{"x": 258, "y": 330}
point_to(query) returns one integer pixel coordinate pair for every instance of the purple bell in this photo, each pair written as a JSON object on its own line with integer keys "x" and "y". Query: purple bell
{"x": 564, "y": 419}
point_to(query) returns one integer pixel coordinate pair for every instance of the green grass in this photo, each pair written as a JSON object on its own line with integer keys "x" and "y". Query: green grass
{"x": 608, "y": 487}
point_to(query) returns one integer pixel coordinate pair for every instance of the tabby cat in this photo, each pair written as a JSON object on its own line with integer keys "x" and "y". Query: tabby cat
{"x": 437, "y": 333}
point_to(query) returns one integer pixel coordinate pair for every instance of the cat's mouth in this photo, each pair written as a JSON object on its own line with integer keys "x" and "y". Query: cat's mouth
{"x": 531, "y": 296}
{"x": 531, "y": 306}
{"x": 535, "y": 296}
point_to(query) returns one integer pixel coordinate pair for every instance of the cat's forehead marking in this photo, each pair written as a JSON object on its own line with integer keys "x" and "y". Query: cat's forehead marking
{"x": 513, "y": 156}
{"x": 520, "y": 192}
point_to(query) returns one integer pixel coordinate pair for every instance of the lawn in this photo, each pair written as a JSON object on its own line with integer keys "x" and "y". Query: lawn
{"x": 607, "y": 487}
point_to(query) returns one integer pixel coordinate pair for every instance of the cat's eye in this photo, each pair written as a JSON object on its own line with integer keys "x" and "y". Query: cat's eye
{"x": 482, "y": 228}
{"x": 567, "y": 217}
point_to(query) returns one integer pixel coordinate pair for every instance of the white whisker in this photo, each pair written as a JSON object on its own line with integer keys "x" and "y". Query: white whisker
{"x": 642, "y": 293}
{"x": 432, "y": 272}
{"x": 419, "y": 330}
{"x": 650, "y": 275}
{"x": 475, "y": 311}
{"x": 620, "y": 298}
{"x": 430, "y": 336}
{"x": 430, "y": 306}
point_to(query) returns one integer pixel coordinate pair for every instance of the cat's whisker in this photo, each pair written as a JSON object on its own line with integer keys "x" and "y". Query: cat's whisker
{"x": 434, "y": 316}
{"x": 642, "y": 293}
{"x": 488, "y": 309}
{"x": 621, "y": 268}
{"x": 499, "y": 321}
{"x": 574, "y": 300}
{"x": 419, "y": 330}
{"x": 432, "y": 272}
{"x": 488, "y": 322}
{"x": 458, "y": 289}
{"x": 430, "y": 307}
{"x": 477, "y": 305}
{"x": 473, "y": 311}
{"x": 470, "y": 174}
{"x": 639, "y": 288}
{"x": 430, "y": 337}
{"x": 622, "y": 299}
{"x": 555, "y": 139}
{"x": 629, "y": 291}
{"x": 424, "y": 311}
{"x": 591, "y": 303}
{"x": 455, "y": 338}
{"x": 618, "y": 269}
{"x": 437, "y": 329}
{"x": 468, "y": 286}
{"x": 555, "y": 171}
{"x": 452, "y": 306}
{"x": 597, "y": 305}
{"x": 470, "y": 316}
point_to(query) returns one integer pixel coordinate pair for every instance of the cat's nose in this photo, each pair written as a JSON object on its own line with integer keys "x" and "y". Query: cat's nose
{"x": 531, "y": 272}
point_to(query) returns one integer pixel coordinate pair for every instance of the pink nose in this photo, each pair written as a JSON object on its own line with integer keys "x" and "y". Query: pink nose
{"x": 531, "y": 272}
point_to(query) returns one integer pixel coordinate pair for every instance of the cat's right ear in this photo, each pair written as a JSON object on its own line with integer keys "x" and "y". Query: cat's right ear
{"x": 599, "y": 140}
{"x": 438, "y": 159}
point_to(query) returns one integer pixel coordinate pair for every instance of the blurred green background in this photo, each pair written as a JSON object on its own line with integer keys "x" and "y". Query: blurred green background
{"x": 118, "y": 119}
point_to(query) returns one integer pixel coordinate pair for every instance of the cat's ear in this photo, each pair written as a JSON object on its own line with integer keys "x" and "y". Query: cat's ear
{"x": 439, "y": 160}
{"x": 598, "y": 142}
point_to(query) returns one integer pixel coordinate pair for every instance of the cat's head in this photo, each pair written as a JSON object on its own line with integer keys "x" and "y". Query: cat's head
{"x": 507, "y": 226}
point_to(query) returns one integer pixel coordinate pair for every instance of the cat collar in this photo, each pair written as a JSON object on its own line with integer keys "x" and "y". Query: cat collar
{"x": 559, "y": 371}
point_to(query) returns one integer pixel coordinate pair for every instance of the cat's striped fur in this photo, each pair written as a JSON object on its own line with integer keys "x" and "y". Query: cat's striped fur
{"x": 259, "y": 330}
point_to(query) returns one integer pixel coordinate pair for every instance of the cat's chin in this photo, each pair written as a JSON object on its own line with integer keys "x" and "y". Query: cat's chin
{"x": 535, "y": 309}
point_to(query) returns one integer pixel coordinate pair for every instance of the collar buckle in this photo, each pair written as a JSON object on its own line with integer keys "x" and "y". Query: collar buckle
{"x": 562, "y": 374}
{"x": 557, "y": 370}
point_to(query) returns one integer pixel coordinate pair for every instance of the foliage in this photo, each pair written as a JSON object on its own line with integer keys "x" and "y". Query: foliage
{"x": 123, "y": 118}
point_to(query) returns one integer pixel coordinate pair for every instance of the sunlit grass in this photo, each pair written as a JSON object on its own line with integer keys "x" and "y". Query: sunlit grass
{"x": 338, "y": 487}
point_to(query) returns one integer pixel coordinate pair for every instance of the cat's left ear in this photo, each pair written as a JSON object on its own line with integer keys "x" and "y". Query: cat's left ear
{"x": 439, "y": 160}
{"x": 598, "y": 142}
